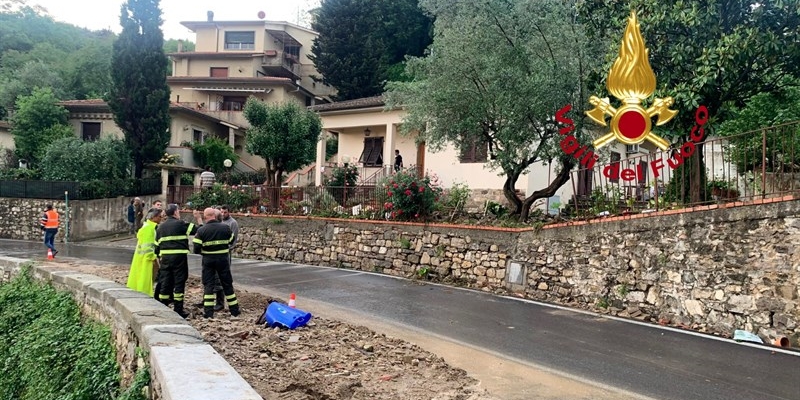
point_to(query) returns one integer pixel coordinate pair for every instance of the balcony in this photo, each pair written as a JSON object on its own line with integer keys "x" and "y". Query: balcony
{"x": 280, "y": 63}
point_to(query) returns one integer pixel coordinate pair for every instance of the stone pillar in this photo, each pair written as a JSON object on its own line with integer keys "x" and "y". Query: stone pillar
{"x": 320, "y": 158}
{"x": 232, "y": 137}
{"x": 164, "y": 181}
{"x": 388, "y": 148}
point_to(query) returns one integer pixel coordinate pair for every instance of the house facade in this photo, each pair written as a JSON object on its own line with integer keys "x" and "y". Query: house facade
{"x": 368, "y": 134}
{"x": 234, "y": 60}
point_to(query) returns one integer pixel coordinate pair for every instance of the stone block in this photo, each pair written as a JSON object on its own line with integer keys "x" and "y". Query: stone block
{"x": 741, "y": 304}
{"x": 197, "y": 372}
{"x": 693, "y": 307}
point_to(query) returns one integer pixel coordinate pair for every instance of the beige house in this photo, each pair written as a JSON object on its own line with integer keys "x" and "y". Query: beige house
{"x": 234, "y": 60}
{"x": 368, "y": 134}
{"x": 92, "y": 119}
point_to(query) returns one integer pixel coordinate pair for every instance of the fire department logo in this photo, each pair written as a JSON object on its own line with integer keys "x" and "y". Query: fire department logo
{"x": 631, "y": 80}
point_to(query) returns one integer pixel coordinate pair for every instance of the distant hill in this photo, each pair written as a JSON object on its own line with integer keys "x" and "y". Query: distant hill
{"x": 36, "y": 51}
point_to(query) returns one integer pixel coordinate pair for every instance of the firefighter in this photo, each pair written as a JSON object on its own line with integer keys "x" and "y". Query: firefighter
{"x": 212, "y": 241}
{"x": 172, "y": 245}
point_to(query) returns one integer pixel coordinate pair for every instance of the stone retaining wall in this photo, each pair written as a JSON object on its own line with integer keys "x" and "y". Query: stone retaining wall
{"x": 87, "y": 219}
{"x": 182, "y": 365}
{"x": 714, "y": 270}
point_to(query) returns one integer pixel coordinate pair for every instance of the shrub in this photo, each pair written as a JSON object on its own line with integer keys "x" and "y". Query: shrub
{"x": 72, "y": 159}
{"x": 236, "y": 197}
{"x": 213, "y": 152}
{"x": 410, "y": 197}
{"x": 342, "y": 182}
{"x": 48, "y": 350}
{"x": 455, "y": 198}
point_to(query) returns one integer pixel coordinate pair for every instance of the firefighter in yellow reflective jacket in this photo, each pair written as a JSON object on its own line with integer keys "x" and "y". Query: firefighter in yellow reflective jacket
{"x": 145, "y": 263}
{"x": 212, "y": 241}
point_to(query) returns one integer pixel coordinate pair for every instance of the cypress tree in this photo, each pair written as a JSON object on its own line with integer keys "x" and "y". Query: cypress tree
{"x": 139, "y": 98}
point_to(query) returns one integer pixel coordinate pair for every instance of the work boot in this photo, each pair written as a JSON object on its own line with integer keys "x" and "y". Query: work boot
{"x": 179, "y": 309}
{"x": 208, "y": 312}
{"x": 235, "y": 310}
{"x": 220, "y": 301}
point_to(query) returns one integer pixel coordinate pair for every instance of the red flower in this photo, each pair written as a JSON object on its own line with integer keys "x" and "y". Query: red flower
{"x": 387, "y": 205}
{"x": 422, "y": 189}
{"x": 408, "y": 192}
{"x": 389, "y": 194}
{"x": 416, "y": 215}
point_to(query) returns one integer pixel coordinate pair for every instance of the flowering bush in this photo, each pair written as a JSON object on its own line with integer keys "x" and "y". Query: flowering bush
{"x": 342, "y": 183}
{"x": 170, "y": 159}
{"x": 409, "y": 197}
{"x": 236, "y": 197}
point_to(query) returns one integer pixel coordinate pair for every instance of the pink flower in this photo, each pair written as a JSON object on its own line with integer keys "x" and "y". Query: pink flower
{"x": 394, "y": 185}
{"x": 416, "y": 215}
{"x": 422, "y": 189}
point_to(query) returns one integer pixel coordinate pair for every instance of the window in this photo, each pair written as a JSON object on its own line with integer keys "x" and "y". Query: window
{"x": 90, "y": 131}
{"x": 219, "y": 72}
{"x": 473, "y": 151}
{"x": 233, "y": 103}
{"x": 615, "y": 157}
{"x": 372, "y": 156}
{"x": 240, "y": 40}
{"x": 197, "y": 136}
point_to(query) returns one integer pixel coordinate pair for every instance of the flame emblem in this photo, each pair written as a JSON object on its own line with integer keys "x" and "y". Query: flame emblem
{"x": 631, "y": 80}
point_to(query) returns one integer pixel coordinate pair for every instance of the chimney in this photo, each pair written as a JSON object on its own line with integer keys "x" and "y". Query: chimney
{"x": 210, "y": 15}
{"x": 180, "y": 45}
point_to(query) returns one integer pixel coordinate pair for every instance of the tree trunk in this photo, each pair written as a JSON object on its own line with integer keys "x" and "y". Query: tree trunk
{"x": 274, "y": 189}
{"x": 562, "y": 178}
{"x": 138, "y": 168}
{"x": 510, "y": 193}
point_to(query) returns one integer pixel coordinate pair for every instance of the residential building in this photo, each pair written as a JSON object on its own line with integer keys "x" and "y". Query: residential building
{"x": 368, "y": 134}
{"x": 92, "y": 120}
{"x": 234, "y": 60}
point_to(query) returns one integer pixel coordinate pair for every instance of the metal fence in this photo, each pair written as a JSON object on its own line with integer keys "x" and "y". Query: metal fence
{"x": 291, "y": 200}
{"x": 88, "y": 190}
{"x": 748, "y": 166}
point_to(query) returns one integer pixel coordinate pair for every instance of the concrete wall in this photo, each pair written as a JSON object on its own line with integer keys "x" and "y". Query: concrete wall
{"x": 714, "y": 270}
{"x": 88, "y": 219}
{"x": 182, "y": 365}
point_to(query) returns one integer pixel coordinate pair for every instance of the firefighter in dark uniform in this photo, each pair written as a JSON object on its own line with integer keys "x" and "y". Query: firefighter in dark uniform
{"x": 172, "y": 245}
{"x": 212, "y": 241}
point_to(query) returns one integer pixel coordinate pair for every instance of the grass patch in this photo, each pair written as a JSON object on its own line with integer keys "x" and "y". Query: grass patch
{"x": 49, "y": 351}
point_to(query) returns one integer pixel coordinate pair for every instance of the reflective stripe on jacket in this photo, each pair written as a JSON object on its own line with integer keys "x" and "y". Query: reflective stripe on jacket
{"x": 213, "y": 238}
{"x": 172, "y": 236}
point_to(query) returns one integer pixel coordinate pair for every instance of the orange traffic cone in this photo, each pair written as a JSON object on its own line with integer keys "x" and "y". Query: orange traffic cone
{"x": 50, "y": 254}
{"x": 292, "y": 299}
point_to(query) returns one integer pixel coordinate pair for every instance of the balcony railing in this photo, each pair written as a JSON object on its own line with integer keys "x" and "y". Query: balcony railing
{"x": 283, "y": 60}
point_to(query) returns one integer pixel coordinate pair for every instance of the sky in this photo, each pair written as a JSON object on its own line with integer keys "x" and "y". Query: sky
{"x": 104, "y": 14}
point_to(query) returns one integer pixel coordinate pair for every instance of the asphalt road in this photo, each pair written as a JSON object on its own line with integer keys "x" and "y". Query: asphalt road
{"x": 648, "y": 360}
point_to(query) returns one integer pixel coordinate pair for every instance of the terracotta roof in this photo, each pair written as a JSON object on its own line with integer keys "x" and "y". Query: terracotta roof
{"x": 215, "y": 54}
{"x": 101, "y": 105}
{"x": 238, "y": 79}
{"x": 88, "y": 102}
{"x": 366, "y": 102}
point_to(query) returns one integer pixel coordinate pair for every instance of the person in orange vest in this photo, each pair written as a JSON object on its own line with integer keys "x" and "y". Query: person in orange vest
{"x": 49, "y": 224}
